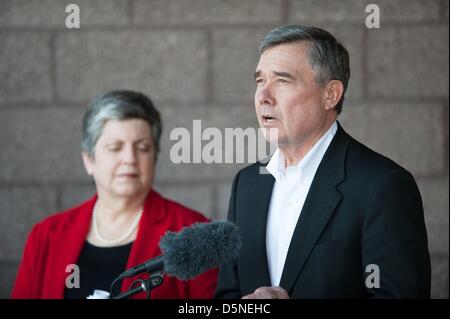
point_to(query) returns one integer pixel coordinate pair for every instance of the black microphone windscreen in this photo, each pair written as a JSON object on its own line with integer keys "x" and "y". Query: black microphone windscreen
{"x": 199, "y": 247}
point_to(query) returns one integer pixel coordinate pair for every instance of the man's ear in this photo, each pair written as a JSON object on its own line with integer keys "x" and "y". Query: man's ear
{"x": 333, "y": 93}
{"x": 88, "y": 162}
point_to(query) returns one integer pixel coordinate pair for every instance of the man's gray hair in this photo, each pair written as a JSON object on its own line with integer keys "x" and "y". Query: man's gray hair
{"x": 118, "y": 105}
{"x": 328, "y": 58}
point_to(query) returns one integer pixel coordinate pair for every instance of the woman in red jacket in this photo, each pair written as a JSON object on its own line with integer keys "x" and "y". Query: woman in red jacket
{"x": 73, "y": 253}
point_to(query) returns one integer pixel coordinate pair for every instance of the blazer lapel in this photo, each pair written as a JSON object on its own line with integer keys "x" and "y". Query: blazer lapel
{"x": 65, "y": 247}
{"x": 255, "y": 236}
{"x": 320, "y": 203}
{"x": 150, "y": 230}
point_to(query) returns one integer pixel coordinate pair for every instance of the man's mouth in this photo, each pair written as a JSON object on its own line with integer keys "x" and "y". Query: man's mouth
{"x": 268, "y": 119}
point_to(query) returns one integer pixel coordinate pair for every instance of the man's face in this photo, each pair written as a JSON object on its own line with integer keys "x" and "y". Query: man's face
{"x": 288, "y": 97}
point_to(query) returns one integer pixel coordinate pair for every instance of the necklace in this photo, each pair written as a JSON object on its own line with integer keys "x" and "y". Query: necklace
{"x": 120, "y": 239}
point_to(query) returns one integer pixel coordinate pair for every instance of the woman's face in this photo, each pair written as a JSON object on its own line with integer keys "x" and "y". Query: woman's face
{"x": 124, "y": 159}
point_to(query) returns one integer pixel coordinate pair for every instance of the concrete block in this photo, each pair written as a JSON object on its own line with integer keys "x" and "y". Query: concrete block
{"x": 439, "y": 278}
{"x": 25, "y": 67}
{"x": 52, "y": 13}
{"x": 166, "y": 65}
{"x": 235, "y": 57}
{"x": 435, "y": 201}
{"x": 41, "y": 145}
{"x": 409, "y": 61}
{"x": 350, "y": 11}
{"x": 207, "y": 12}
{"x": 7, "y": 277}
{"x": 412, "y": 134}
{"x": 20, "y": 209}
{"x": 74, "y": 195}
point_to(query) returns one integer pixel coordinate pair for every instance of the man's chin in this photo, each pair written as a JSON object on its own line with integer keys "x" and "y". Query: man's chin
{"x": 271, "y": 135}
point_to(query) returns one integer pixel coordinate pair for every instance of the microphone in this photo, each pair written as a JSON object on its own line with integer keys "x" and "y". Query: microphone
{"x": 193, "y": 250}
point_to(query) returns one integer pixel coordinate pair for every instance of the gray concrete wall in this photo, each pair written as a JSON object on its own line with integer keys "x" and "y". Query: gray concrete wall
{"x": 196, "y": 60}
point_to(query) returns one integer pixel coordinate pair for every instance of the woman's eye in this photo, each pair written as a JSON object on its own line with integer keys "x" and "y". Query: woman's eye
{"x": 113, "y": 148}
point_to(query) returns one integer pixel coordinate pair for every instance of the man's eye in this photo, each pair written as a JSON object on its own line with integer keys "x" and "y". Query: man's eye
{"x": 259, "y": 81}
{"x": 144, "y": 147}
{"x": 282, "y": 81}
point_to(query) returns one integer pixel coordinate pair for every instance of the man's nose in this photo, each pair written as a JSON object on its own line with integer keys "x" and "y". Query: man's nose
{"x": 264, "y": 96}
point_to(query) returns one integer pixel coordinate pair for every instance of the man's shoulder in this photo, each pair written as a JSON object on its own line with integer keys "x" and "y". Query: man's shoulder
{"x": 252, "y": 170}
{"x": 364, "y": 160}
{"x": 358, "y": 159}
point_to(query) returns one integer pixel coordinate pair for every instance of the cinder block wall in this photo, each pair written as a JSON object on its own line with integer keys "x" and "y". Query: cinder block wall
{"x": 196, "y": 59}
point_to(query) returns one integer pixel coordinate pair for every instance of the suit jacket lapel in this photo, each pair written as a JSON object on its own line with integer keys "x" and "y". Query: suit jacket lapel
{"x": 256, "y": 273}
{"x": 320, "y": 203}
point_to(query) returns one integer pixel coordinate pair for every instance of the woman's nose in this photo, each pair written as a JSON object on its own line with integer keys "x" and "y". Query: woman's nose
{"x": 129, "y": 155}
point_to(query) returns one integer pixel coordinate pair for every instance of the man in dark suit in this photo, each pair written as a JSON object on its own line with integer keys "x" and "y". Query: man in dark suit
{"x": 331, "y": 218}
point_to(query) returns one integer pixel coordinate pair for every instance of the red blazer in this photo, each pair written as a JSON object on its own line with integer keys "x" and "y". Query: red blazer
{"x": 58, "y": 240}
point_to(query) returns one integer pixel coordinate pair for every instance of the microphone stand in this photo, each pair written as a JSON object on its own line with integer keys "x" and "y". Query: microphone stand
{"x": 146, "y": 285}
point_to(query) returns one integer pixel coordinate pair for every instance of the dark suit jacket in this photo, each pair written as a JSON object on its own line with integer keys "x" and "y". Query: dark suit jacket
{"x": 361, "y": 209}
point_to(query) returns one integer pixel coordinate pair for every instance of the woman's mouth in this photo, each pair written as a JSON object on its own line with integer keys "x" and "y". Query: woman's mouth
{"x": 128, "y": 175}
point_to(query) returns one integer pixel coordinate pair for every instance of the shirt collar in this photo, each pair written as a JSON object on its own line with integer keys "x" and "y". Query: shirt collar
{"x": 310, "y": 162}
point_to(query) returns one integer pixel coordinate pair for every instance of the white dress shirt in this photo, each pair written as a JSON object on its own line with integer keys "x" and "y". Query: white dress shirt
{"x": 288, "y": 196}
